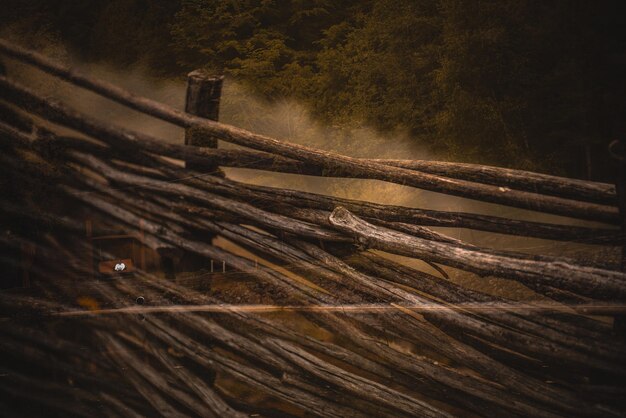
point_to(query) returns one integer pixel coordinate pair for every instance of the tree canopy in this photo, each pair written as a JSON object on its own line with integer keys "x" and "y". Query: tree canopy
{"x": 522, "y": 83}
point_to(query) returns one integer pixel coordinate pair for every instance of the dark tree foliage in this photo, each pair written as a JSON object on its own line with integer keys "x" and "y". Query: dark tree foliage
{"x": 523, "y": 83}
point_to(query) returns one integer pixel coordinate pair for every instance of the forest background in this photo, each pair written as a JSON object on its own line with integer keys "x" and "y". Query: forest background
{"x": 527, "y": 84}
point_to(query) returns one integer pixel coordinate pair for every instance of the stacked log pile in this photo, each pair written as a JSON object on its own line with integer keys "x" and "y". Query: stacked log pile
{"x": 425, "y": 346}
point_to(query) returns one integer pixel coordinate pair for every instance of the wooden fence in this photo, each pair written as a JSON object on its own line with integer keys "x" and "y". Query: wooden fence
{"x": 471, "y": 352}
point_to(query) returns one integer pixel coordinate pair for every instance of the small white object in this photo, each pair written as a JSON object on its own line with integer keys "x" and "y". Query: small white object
{"x": 120, "y": 267}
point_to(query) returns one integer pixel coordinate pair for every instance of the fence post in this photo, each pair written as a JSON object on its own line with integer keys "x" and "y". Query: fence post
{"x": 203, "y": 99}
{"x": 204, "y": 91}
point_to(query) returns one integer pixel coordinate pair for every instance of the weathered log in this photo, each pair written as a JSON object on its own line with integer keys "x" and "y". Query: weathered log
{"x": 303, "y": 394}
{"x": 473, "y": 248}
{"x": 480, "y": 309}
{"x": 154, "y": 230}
{"x": 522, "y": 180}
{"x": 58, "y": 113}
{"x": 203, "y": 96}
{"x": 577, "y": 325}
{"x": 197, "y": 385}
{"x": 210, "y": 405}
{"x": 383, "y": 213}
{"x": 239, "y": 208}
{"x": 290, "y": 375}
{"x": 287, "y": 368}
{"x": 427, "y": 388}
{"x": 504, "y": 375}
{"x": 347, "y": 356}
{"x": 329, "y": 160}
{"x": 203, "y": 100}
{"x": 283, "y": 252}
{"x": 340, "y": 327}
{"x": 568, "y": 331}
{"x": 355, "y": 384}
{"x": 600, "y": 283}
{"x": 575, "y": 189}
{"x": 162, "y": 405}
{"x": 120, "y": 197}
{"x": 260, "y": 357}
{"x": 516, "y": 179}
{"x": 256, "y": 378}
{"x": 245, "y": 373}
{"x": 559, "y": 343}
{"x": 279, "y": 248}
{"x": 319, "y": 297}
{"x": 122, "y": 409}
{"x": 390, "y": 213}
{"x": 548, "y": 352}
{"x": 424, "y": 217}
{"x": 320, "y": 217}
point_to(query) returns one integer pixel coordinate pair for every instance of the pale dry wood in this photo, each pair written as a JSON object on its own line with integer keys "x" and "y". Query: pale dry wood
{"x": 600, "y": 283}
{"x": 231, "y": 237}
{"x": 458, "y": 382}
{"x": 58, "y": 113}
{"x": 130, "y": 145}
{"x": 577, "y": 189}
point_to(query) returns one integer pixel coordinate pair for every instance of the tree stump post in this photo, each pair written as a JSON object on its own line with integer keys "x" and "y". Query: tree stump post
{"x": 203, "y": 99}
{"x": 204, "y": 91}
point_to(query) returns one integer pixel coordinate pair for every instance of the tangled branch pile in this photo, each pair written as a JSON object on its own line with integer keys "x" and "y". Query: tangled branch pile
{"x": 434, "y": 348}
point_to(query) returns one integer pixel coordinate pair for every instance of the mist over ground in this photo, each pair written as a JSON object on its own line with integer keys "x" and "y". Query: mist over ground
{"x": 291, "y": 122}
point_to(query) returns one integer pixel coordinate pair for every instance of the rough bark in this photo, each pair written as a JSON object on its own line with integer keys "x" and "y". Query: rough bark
{"x": 600, "y": 283}
{"x": 127, "y": 142}
{"x": 331, "y": 161}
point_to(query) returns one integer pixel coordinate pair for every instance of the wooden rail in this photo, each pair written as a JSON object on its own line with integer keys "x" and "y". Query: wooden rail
{"x": 330, "y": 161}
{"x": 479, "y": 353}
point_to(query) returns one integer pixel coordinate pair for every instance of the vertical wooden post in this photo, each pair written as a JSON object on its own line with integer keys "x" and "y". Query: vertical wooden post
{"x": 204, "y": 91}
{"x": 203, "y": 99}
